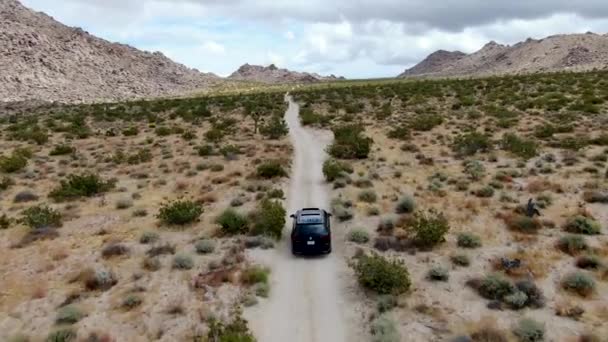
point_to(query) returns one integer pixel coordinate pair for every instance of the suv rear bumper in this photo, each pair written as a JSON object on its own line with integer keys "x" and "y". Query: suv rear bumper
{"x": 299, "y": 249}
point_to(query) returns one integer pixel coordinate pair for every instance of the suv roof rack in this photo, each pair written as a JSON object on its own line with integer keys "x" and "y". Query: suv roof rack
{"x": 308, "y": 209}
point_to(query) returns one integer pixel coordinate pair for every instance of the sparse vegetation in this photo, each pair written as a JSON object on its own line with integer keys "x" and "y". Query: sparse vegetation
{"x": 84, "y": 185}
{"x": 382, "y": 276}
{"x": 41, "y": 217}
{"x": 269, "y": 219}
{"x": 429, "y": 228}
{"x": 180, "y": 212}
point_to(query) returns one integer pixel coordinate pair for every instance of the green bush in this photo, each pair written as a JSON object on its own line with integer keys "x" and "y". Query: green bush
{"x": 163, "y": 131}
{"x": 516, "y": 300}
{"x": 62, "y": 335}
{"x": 583, "y": 225}
{"x": 426, "y": 122}
{"x": 572, "y": 244}
{"x": 460, "y": 260}
{"x": 69, "y": 315}
{"x": 386, "y": 303}
{"x": 438, "y": 274}
{"x": 232, "y": 222}
{"x": 471, "y": 143}
{"x": 485, "y": 192}
{"x": 384, "y": 329}
{"x": 132, "y": 301}
{"x": 358, "y": 236}
{"x": 350, "y": 143}
{"x": 523, "y": 224}
{"x": 528, "y": 330}
{"x": 41, "y": 217}
{"x": 130, "y": 131}
{"x": 495, "y": 287}
{"x": 579, "y": 283}
{"x": 6, "y": 183}
{"x": 180, "y": 212}
{"x": 406, "y": 205}
{"x": 469, "y": 240}
{"x": 235, "y": 331}
{"x": 275, "y": 128}
{"x": 205, "y": 150}
{"x": 5, "y": 222}
{"x": 474, "y": 169}
{"x": 85, "y": 185}
{"x": 429, "y": 228}
{"x": 61, "y": 150}
{"x": 368, "y": 196}
{"x": 183, "y": 262}
{"x": 255, "y": 275}
{"x": 334, "y": 169}
{"x": 381, "y": 275}
{"x": 12, "y": 163}
{"x": 269, "y": 219}
{"x": 399, "y": 132}
{"x": 204, "y": 247}
{"x": 148, "y": 238}
{"x": 522, "y": 148}
{"x": 271, "y": 169}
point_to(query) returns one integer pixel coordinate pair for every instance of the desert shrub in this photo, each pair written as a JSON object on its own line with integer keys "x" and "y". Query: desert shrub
{"x": 214, "y": 135}
{"x": 471, "y": 143}
{"x": 259, "y": 241}
{"x": 163, "y": 131}
{"x": 61, "y": 150}
{"x": 523, "y": 224}
{"x": 131, "y": 301}
{"x": 358, "y": 236}
{"x": 386, "y": 303}
{"x": 469, "y": 240}
{"x": 460, "y": 260}
{"x": 474, "y": 169}
{"x": 84, "y": 185}
{"x": 41, "y": 217}
{"x": 6, "y": 183}
{"x": 12, "y": 163}
{"x": 205, "y": 150}
{"x": 151, "y": 264}
{"x": 399, "y": 132}
{"x": 334, "y": 169}
{"x": 62, "y": 335}
{"x": 308, "y": 117}
{"x": 148, "y": 238}
{"x": 596, "y": 197}
{"x": 255, "y": 275}
{"x": 142, "y": 156}
{"x": 161, "y": 250}
{"x": 381, "y": 275}
{"x": 235, "y": 331}
{"x": 426, "y": 122}
{"x": 406, "y": 205}
{"x": 583, "y": 225}
{"x": 180, "y": 212}
{"x": 114, "y": 249}
{"x": 588, "y": 262}
{"x": 230, "y": 151}
{"x": 429, "y": 228}
{"x": 579, "y": 283}
{"x": 183, "y": 262}
{"x": 130, "y": 131}
{"x": 124, "y": 203}
{"x": 269, "y": 219}
{"x": 350, "y": 143}
{"x": 535, "y": 297}
{"x": 69, "y": 315}
{"x": 572, "y": 244}
{"x": 384, "y": 329}
{"x": 99, "y": 279}
{"x": 271, "y": 169}
{"x": 275, "y": 128}
{"x": 5, "y": 221}
{"x": 188, "y": 135}
{"x": 528, "y": 330}
{"x": 522, "y": 148}
{"x": 25, "y": 196}
{"x": 488, "y": 333}
{"x": 232, "y": 222}
{"x": 368, "y": 196}
{"x": 438, "y": 273}
{"x": 495, "y": 287}
{"x": 485, "y": 192}
{"x": 516, "y": 300}
{"x": 204, "y": 247}
{"x": 276, "y": 193}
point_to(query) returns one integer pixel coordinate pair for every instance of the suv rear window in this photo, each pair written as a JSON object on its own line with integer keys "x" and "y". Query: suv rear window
{"x": 311, "y": 229}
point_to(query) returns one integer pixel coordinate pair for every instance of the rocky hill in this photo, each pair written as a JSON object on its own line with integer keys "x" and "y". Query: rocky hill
{"x": 42, "y": 59}
{"x": 273, "y": 75}
{"x": 574, "y": 52}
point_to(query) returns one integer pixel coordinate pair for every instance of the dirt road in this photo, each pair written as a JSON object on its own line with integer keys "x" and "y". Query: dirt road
{"x": 307, "y": 300}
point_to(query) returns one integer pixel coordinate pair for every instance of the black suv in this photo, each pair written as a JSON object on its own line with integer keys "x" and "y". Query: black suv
{"x": 311, "y": 233}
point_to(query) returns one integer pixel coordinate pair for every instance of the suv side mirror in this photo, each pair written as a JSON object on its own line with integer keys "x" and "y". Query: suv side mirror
{"x": 329, "y": 215}
{"x": 292, "y": 216}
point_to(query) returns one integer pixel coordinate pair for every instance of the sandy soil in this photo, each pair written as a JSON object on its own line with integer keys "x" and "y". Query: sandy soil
{"x": 309, "y": 298}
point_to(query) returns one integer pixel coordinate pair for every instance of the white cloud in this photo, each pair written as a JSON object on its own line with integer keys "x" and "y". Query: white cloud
{"x": 214, "y": 47}
{"x": 289, "y": 35}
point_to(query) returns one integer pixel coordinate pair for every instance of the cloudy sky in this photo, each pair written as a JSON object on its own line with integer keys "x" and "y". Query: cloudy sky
{"x": 353, "y": 38}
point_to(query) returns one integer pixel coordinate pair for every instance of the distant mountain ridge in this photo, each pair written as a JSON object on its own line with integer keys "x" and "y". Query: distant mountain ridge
{"x": 274, "y": 75}
{"x": 569, "y": 52}
{"x": 42, "y": 59}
